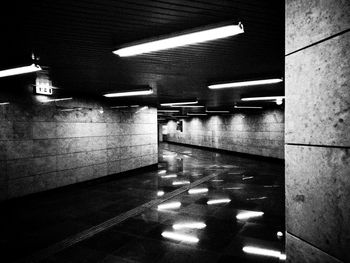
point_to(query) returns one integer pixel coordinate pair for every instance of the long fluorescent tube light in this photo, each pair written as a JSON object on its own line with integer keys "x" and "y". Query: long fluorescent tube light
{"x": 119, "y": 107}
{"x": 217, "y": 111}
{"x": 20, "y": 70}
{"x": 197, "y": 114}
{"x": 264, "y": 252}
{"x": 187, "y": 106}
{"x": 198, "y": 191}
{"x": 263, "y": 98}
{"x": 181, "y": 182}
{"x": 4, "y": 103}
{"x": 129, "y": 93}
{"x": 169, "y": 176}
{"x": 171, "y": 205}
{"x": 179, "y": 103}
{"x": 249, "y": 214}
{"x": 218, "y": 201}
{"x": 189, "y": 225}
{"x": 176, "y": 111}
{"x": 44, "y": 100}
{"x": 180, "y": 237}
{"x": 245, "y": 83}
{"x": 247, "y": 107}
{"x": 162, "y": 172}
{"x": 160, "y": 193}
{"x": 181, "y": 40}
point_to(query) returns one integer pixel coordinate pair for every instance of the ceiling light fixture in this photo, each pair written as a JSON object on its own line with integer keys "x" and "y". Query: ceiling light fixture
{"x": 264, "y": 252}
{"x": 171, "y": 104}
{"x": 247, "y": 107}
{"x": 217, "y": 111}
{"x": 263, "y": 98}
{"x": 44, "y": 99}
{"x": 182, "y": 39}
{"x": 129, "y": 93}
{"x": 168, "y": 111}
{"x": 187, "y": 106}
{"x": 197, "y": 114}
{"x": 180, "y": 237}
{"x": 119, "y": 107}
{"x": 245, "y": 83}
{"x": 4, "y": 103}
{"x": 20, "y": 70}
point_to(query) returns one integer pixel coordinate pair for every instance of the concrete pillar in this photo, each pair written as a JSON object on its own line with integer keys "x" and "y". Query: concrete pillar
{"x": 317, "y": 131}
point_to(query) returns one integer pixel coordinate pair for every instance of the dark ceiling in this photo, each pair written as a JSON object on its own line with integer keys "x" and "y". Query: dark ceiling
{"x": 75, "y": 40}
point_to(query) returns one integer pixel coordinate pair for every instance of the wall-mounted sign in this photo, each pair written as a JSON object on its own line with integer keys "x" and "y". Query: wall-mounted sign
{"x": 43, "y": 90}
{"x": 43, "y": 85}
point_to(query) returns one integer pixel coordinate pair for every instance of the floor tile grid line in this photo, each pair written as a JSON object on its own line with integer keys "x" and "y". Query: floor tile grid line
{"x": 72, "y": 240}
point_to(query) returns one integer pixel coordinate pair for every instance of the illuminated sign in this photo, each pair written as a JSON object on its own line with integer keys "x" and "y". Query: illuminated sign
{"x": 43, "y": 90}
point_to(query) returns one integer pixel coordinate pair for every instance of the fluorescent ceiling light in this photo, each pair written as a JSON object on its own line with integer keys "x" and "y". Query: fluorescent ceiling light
{"x": 198, "y": 191}
{"x": 245, "y": 83}
{"x": 197, "y": 114}
{"x": 160, "y": 193}
{"x": 264, "y": 252}
{"x": 218, "y": 201}
{"x": 190, "y": 225}
{"x": 263, "y": 98}
{"x": 217, "y": 111}
{"x": 4, "y": 103}
{"x": 168, "y": 111}
{"x": 247, "y": 107}
{"x": 249, "y": 214}
{"x": 279, "y": 234}
{"x": 44, "y": 99}
{"x": 181, "y": 182}
{"x": 179, "y": 116}
{"x": 181, "y": 40}
{"x": 169, "y": 176}
{"x": 170, "y": 205}
{"x": 180, "y": 237}
{"x": 20, "y": 70}
{"x": 134, "y": 106}
{"x": 187, "y": 106}
{"x": 162, "y": 172}
{"x": 129, "y": 93}
{"x": 119, "y": 107}
{"x": 179, "y": 103}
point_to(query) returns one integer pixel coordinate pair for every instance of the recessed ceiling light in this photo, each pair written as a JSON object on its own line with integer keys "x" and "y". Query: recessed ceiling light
{"x": 129, "y": 93}
{"x": 4, "y": 103}
{"x": 245, "y": 83}
{"x": 179, "y": 103}
{"x": 168, "y": 111}
{"x": 20, "y": 70}
{"x": 247, "y": 107}
{"x": 181, "y": 39}
{"x": 217, "y": 111}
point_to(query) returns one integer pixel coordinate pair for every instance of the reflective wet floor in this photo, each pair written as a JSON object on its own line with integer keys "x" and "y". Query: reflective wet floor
{"x": 203, "y": 206}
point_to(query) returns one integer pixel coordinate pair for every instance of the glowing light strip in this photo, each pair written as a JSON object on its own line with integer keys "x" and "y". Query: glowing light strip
{"x": 20, "y": 70}
{"x": 217, "y": 111}
{"x": 187, "y": 106}
{"x": 264, "y": 252}
{"x": 169, "y": 176}
{"x": 198, "y": 191}
{"x": 218, "y": 201}
{"x": 129, "y": 93}
{"x": 162, "y": 172}
{"x": 191, "y": 225}
{"x": 160, "y": 193}
{"x": 249, "y": 214}
{"x": 44, "y": 100}
{"x": 181, "y": 40}
{"x": 171, "y": 205}
{"x": 168, "y": 111}
{"x": 180, "y": 237}
{"x": 245, "y": 83}
{"x": 119, "y": 107}
{"x": 247, "y": 107}
{"x": 181, "y": 182}
{"x": 262, "y": 98}
{"x": 179, "y": 103}
{"x": 197, "y": 114}
{"x": 4, "y": 103}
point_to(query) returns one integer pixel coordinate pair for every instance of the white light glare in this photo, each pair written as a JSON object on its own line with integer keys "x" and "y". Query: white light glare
{"x": 4, "y": 103}
{"x": 198, "y": 191}
{"x": 129, "y": 93}
{"x": 171, "y": 205}
{"x": 181, "y": 40}
{"x": 44, "y": 99}
{"x": 191, "y": 225}
{"x": 247, "y": 107}
{"x": 244, "y": 83}
{"x": 187, "y": 106}
{"x": 279, "y": 101}
{"x": 20, "y": 70}
{"x": 160, "y": 193}
{"x": 218, "y": 201}
{"x": 181, "y": 182}
{"x": 279, "y": 234}
{"x": 180, "y": 237}
{"x": 168, "y": 111}
{"x": 196, "y": 114}
{"x": 248, "y": 214}
{"x": 162, "y": 172}
{"x": 169, "y": 176}
{"x": 264, "y": 252}
{"x": 179, "y": 103}
{"x": 263, "y": 98}
{"x": 217, "y": 111}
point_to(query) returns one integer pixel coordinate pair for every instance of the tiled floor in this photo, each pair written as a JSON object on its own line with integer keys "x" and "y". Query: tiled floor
{"x": 219, "y": 234}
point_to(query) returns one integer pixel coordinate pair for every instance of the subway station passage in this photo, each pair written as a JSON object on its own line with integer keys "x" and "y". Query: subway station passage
{"x": 197, "y": 206}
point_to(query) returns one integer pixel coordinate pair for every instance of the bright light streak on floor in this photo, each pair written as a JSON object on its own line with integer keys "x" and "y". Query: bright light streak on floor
{"x": 190, "y": 225}
{"x": 180, "y": 237}
{"x": 249, "y": 214}
{"x": 171, "y": 205}
{"x": 218, "y": 201}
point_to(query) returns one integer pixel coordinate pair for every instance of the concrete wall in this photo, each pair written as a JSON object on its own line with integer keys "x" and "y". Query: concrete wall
{"x": 43, "y": 147}
{"x": 259, "y": 133}
{"x": 317, "y": 130}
